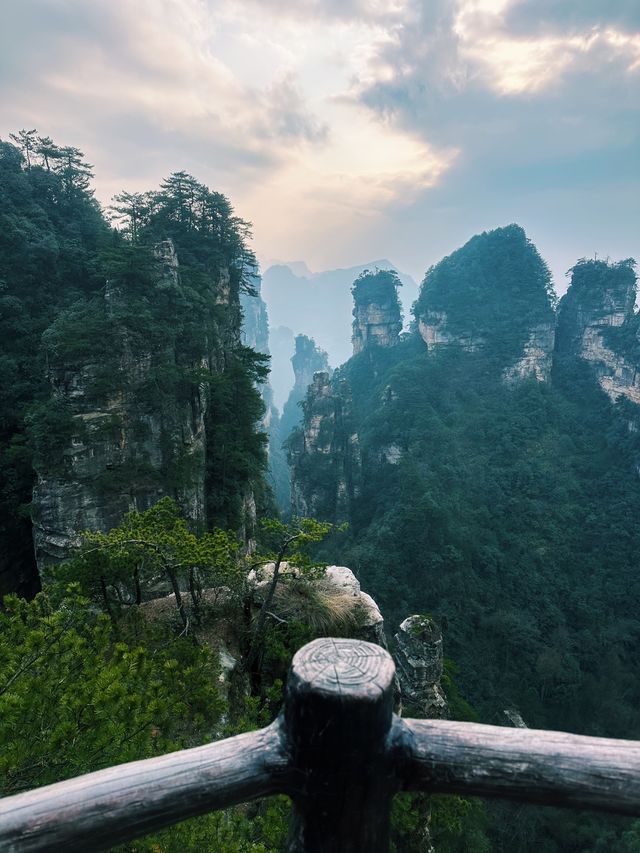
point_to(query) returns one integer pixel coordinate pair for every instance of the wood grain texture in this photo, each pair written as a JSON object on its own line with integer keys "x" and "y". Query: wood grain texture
{"x": 554, "y": 768}
{"x": 338, "y": 712}
{"x": 98, "y": 810}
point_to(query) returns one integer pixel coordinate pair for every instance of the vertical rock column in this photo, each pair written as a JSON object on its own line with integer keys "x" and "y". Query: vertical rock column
{"x": 419, "y": 659}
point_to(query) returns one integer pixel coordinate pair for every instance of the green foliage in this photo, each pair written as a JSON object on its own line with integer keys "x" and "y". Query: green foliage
{"x": 451, "y": 824}
{"x": 380, "y": 286}
{"x": 282, "y": 541}
{"x": 236, "y": 457}
{"x": 260, "y": 828}
{"x": 200, "y": 222}
{"x": 589, "y": 278}
{"x": 152, "y": 548}
{"x": 74, "y": 699}
{"x": 293, "y": 540}
{"x": 51, "y": 232}
{"x": 107, "y": 314}
{"x": 50, "y": 426}
{"x": 509, "y": 514}
{"x": 494, "y": 290}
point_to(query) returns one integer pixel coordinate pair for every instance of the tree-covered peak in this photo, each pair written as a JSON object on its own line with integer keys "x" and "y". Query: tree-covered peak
{"x": 593, "y": 278}
{"x": 601, "y": 296}
{"x": 308, "y": 357}
{"x": 377, "y": 286}
{"x": 200, "y": 221}
{"x": 493, "y": 292}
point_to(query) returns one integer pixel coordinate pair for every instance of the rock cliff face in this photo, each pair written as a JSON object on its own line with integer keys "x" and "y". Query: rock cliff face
{"x": 255, "y": 320}
{"x": 324, "y": 453}
{"x": 255, "y": 334}
{"x": 597, "y": 323}
{"x": 537, "y": 356}
{"x": 377, "y": 316}
{"x": 139, "y": 438}
{"x": 434, "y": 330}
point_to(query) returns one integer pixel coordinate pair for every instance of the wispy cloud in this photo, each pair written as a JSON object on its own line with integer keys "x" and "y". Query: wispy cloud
{"x": 349, "y": 128}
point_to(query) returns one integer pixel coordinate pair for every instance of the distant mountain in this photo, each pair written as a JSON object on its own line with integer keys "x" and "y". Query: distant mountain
{"x": 319, "y": 304}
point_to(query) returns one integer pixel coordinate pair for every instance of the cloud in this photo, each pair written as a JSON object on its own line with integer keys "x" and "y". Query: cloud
{"x": 332, "y": 10}
{"x": 348, "y": 128}
{"x": 544, "y": 118}
{"x": 148, "y": 75}
{"x": 287, "y": 116}
{"x": 571, "y": 16}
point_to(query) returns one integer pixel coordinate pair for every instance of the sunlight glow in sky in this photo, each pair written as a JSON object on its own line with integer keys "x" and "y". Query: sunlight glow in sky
{"x": 351, "y": 129}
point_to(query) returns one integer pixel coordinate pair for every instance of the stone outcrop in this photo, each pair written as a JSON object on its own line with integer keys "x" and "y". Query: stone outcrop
{"x": 419, "y": 660}
{"x": 370, "y": 621}
{"x": 324, "y": 453}
{"x": 597, "y": 323}
{"x": 435, "y": 332}
{"x": 537, "y": 357}
{"x": 131, "y": 441}
{"x": 357, "y": 610}
{"x": 535, "y": 362}
{"x": 377, "y": 315}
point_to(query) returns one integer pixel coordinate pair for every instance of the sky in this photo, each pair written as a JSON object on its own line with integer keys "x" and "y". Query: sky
{"x": 347, "y": 130}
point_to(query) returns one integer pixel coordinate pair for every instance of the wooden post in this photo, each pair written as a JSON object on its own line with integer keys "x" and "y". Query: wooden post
{"x": 338, "y": 712}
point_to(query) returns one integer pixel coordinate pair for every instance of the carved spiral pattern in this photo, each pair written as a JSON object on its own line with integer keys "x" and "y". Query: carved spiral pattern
{"x": 344, "y": 666}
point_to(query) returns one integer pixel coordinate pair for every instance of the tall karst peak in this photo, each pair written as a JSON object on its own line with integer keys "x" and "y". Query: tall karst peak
{"x": 377, "y": 315}
{"x": 307, "y": 360}
{"x": 597, "y": 323}
{"x": 326, "y": 440}
{"x": 492, "y": 295}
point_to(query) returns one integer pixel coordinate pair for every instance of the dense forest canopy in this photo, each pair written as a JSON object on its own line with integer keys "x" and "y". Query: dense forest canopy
{"x": 376, "y": 286}
{"x": 76, "y": 292}
{"x": 507, "y": 510}
{"x": 495, "y": 289}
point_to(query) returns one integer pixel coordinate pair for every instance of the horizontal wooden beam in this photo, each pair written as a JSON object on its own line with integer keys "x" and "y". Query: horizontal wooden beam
{"x": 98, "y": 810}
{"x": 530, "y": 765}
{"x": 341, "y": 755}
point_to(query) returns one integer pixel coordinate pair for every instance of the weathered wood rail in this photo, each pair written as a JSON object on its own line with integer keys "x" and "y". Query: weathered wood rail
{"x": 341, "y": 754}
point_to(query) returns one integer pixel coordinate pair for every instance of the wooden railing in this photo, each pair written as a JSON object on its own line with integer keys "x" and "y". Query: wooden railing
{"x": 341, "y": 754}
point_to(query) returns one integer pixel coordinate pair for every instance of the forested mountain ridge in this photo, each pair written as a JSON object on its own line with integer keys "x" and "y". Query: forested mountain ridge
{"x": 124, "y": 375}
{"x": 498, "y": 490}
